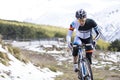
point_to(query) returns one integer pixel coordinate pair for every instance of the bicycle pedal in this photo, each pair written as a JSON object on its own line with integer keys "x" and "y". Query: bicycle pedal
{"x": 87, "y": 75}
{"x": 76, "y": 70}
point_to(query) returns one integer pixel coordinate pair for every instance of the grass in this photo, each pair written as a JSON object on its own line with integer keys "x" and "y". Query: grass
{"x": 53, "y": 68}
{"x": 4, "y": 59}
{"x": 14, "y": 51}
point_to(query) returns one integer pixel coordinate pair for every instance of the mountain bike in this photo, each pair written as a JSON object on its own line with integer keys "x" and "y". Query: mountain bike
{"x": 85, "y": 71}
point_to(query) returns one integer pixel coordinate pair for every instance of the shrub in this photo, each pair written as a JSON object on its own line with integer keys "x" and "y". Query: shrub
{"x": 114, "y": 46}
{"x": 102, "y": 45}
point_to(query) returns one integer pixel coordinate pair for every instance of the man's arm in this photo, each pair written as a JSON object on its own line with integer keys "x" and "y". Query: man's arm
{"x": 69, "y": 34}
{"x": 97, "y": 33}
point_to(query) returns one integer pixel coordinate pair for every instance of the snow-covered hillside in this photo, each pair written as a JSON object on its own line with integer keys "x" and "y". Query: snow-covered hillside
{"x": 108, "y": 19}
{"x": 18, "y": 70}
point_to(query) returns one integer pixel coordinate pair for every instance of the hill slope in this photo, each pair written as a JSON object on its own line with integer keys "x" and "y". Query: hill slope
{"x": 23, "y": 30}
{"x": 108, "y": 20}
{"x": 18, "y": 70}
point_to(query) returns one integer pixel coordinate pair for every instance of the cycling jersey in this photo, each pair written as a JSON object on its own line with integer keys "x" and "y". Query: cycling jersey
{"x": 85, "y": 31}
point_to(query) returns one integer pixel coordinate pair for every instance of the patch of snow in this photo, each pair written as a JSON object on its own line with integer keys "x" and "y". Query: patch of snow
{"x": 18, "y": 70}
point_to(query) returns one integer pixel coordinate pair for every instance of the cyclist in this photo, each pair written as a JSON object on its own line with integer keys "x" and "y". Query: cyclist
{"x": 83, "y": 26}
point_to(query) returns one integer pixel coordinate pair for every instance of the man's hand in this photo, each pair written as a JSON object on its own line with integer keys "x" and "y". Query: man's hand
{"x": 70, "y": 45}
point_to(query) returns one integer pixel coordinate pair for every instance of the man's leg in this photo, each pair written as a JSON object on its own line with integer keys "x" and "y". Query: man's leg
{"x": 89, "y": 49}
{"x": 75, "y": 61}
{"x": 75, "y": 58}
{"x": 89, "y": 56}
{"x": 77, "y": 41}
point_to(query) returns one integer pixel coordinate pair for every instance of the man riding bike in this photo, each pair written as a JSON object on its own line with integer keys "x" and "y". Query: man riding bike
{"x": 83, "y": 26}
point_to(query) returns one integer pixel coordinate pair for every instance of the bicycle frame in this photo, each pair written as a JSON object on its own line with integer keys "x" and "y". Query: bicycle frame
{"x": 85, "y": 70}
{"x": 82, "y": 65}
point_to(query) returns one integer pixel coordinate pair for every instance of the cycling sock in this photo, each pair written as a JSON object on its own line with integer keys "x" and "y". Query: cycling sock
{"x": 75, "y": 67}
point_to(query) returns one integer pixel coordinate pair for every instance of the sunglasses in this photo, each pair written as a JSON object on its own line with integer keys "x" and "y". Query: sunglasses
{"x": 82, "y": 20}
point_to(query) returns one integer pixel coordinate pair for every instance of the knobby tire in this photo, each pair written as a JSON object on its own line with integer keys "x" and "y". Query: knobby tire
{"x": 87, "y": 65}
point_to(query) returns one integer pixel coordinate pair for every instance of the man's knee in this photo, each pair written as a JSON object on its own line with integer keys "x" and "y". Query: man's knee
{"x": 75, "y": 51}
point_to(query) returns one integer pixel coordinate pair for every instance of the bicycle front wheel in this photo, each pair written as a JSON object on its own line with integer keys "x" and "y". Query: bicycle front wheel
{"x": 85, "y": 71}
{"x": 88, "y": 75}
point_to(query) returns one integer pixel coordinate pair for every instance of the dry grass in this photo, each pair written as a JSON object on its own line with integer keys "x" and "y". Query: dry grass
{"x": 15, "y": 52}
{"x": 4, "y": 58}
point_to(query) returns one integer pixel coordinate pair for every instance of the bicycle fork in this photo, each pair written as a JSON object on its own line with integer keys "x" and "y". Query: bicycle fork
{"x": 82, "y": 65}
{"x": 84, "y": 70}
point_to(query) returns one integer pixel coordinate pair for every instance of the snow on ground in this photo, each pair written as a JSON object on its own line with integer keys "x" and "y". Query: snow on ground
{"x": 36, "y": 46}
{"x": 110, "y": 59}
{"x": 114, "y": 56}
{"x": 18, "y": 70}
{"x": 39, "y": 45}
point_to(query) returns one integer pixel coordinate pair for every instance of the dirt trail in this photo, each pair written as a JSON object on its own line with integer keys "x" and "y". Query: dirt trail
{"x": 46, "y": 60}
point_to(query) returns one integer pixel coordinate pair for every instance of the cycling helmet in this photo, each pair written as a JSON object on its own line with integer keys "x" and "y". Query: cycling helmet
{"x": 80, "y": 14}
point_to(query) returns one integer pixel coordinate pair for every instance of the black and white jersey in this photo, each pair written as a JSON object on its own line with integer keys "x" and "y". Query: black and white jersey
{"x": 85, "y": 31}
